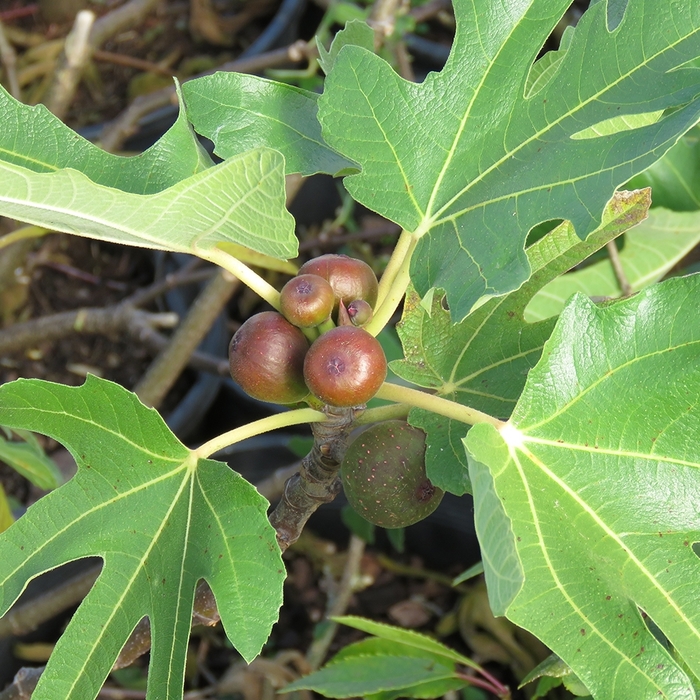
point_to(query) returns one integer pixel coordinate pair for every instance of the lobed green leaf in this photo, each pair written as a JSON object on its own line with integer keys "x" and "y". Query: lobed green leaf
{"x": 586, "y": 503}
{"x": 35, "y": 139}
{"x": 483, "y": 361}
{"x": 241, "y": 112}
{"x": 159, "y": 518}
{"x": 652, "y": 249}
{"x": 469, "y": 164}
{"x": 355, "y": 33}
{"x": 239, "y": 201}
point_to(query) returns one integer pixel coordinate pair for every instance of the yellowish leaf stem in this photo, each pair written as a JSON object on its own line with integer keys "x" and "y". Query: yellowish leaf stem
{"x": 258, "y": 427}
{"x": 240, "y": 270}
{"x": 436, "y": 404}
{"x": 394, "y": 283}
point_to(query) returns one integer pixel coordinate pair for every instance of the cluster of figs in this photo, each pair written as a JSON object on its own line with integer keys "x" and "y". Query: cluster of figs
{"x": 272, "y": 359}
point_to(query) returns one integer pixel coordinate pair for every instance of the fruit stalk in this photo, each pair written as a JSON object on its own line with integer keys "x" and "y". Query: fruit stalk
{"x": 317, "y": 481}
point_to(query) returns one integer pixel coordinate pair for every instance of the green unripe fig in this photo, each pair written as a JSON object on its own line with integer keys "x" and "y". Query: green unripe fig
{"x": 307, "y": 300}
{"x": 266, "y": 357}
{"x": 350, "y": 278}
{"x": 384, "y": 476}
{"x": 345, "y": 366}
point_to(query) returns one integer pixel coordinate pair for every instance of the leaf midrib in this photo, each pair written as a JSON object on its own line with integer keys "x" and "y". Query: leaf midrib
{"x": 140, "y": 235}
{"x": 102, "y": 428}
{"x": 553, "y": 571}
{"x": 137, "y": 570}
{"x": 605, "y": 377}
{"x": 602, "y": 525}
{"x": 92, "y": 510}
{"x": 465, "y": 118}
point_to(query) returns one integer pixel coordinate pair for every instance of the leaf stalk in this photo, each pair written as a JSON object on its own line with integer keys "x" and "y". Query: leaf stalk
{"x": 258, "y": 427}
{"x": 394, "y": 283}
{"x": 436, "y": 404}
{"x": 240, "y": 270}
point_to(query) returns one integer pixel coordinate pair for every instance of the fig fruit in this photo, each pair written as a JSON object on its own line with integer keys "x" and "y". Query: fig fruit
{"x": 307, "y": 300}
{"x": 350, "y": 278}
{"x": 359, "y": 312}
{"x": 266, "y": 357}
{"x": 345, "y": 366}
{"x": 384, "y": 478}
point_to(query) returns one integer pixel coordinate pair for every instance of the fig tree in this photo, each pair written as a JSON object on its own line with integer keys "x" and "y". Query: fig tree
{"x": 350, "y": 278}
{"x": 345, "y": 366}
{"x": 307, "y": 300}
{"x": 266, "y": 356}
{"x": 384, "y": 478}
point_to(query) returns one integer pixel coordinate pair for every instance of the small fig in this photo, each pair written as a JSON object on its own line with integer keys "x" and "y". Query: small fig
{"x": 266, "y": 356}
{"x": 384, "y": 478}
{"x": 360, "y": 312}
{"x": 350, "y": 278}
{"x": 345, "y": 366}
{"x": 307, "y": 300}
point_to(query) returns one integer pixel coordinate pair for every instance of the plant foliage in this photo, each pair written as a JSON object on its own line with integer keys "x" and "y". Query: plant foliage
{"x": 586, "y": 503}
{"x": 159, "y": 518}
{"x": 583, "y": 455}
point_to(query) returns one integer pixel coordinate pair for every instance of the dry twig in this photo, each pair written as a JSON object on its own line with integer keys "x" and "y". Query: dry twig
{"x": 76, "y": 54}
{"x": 614, "y": 254}
{"x": 338, "y": 603}
{"x": 166, "y": 368}
{"x": 9, "y": 60}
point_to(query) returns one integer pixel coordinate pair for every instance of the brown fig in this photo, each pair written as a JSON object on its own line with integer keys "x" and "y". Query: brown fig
{"x": 307, "y": 300}
{"x": 345, "y": 366}
{"x": 350, "y": 278}
{"x": 266, "y": 356}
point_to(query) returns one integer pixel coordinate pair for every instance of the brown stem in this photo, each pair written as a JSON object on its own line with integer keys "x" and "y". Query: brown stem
{"x": 156, "y": 342}
{"x": 23, "y": 686}
{"x": 614, "y": 254}
{"x": 120, "y": 317}
{"x": 338, "y": 603}
{"x": 190, "y": 273}
{"x": 272, "y": 487}
{"x": 317, "y": 481}
{"x": 121, "y": 59}
{"x": 367, "y": 234}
